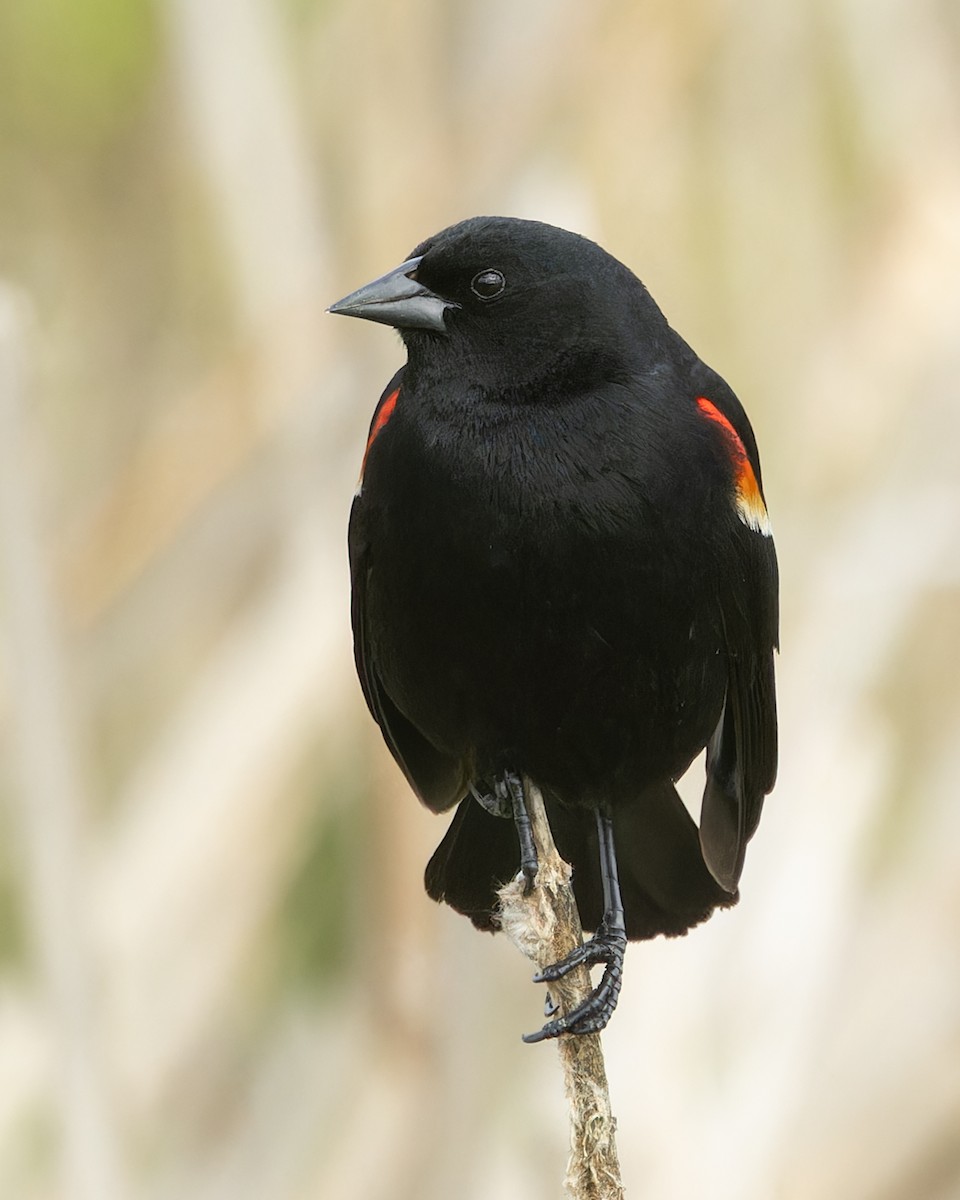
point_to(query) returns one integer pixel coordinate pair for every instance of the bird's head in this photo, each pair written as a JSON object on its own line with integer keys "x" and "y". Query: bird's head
{"x": 512, "y": 301}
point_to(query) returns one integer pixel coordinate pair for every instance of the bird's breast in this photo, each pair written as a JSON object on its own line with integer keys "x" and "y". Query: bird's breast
{"x": 519, "y": 590}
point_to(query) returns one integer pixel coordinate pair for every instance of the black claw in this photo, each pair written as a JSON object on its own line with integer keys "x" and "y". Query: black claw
{"x": 540, "y": 1036}
{"x": 603, "y": 947}
{"x": 550, "y": 1006}
{"x": 495, "y": 800}
{"x": 593, "y": 1014}
{"x": 589, "y": 1017}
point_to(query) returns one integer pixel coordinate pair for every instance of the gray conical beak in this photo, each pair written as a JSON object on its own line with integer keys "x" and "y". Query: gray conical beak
{"x": 397, "y": 299}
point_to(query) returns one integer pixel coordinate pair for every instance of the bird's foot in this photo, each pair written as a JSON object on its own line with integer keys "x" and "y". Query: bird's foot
{"x": 493, "y": 797}
{"x": 592, "y": 1015}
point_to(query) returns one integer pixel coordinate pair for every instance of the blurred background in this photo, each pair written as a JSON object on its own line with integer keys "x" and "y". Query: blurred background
{"x": 219, "y": 976}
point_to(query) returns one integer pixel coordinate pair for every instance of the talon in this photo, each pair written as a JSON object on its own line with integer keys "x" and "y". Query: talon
{"x": 550, "y": 1006}
{"x": 589, "y": 1017}
{"x": 603, "y": 947}
{"x": 495, "y": 800}
{"x": 593, "y": 1014}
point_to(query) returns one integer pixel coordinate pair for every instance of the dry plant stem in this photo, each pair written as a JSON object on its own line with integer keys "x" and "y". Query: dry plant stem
{"x": 546, "y": 926}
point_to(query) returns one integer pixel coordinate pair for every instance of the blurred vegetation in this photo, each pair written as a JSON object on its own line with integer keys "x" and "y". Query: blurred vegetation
{"x": 318, "y": 924}
{"x": 219, "y": 976}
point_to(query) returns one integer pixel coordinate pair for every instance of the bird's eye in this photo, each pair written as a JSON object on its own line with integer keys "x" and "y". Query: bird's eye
{"x": 488, "y": 284}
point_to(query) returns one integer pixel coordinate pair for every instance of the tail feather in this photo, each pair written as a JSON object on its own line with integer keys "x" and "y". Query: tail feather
{"x": 666, "y": 887}
{"x": 479, "y": 853}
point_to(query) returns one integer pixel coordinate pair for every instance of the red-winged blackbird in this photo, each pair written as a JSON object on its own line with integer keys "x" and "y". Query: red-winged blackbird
{"x": 562, "y": 569}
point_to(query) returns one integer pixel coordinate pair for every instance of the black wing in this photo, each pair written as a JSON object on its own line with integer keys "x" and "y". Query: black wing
{"x": 742, "y": 754}
{"x": 437, "y": 778}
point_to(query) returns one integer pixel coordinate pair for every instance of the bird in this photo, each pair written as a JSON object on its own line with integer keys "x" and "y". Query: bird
{"x": 562, "y": 569}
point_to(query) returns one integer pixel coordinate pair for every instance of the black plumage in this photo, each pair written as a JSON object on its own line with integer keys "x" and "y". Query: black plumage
{"x": 562, "y": 568}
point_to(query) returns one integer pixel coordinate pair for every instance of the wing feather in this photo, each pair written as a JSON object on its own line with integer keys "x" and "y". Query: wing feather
{"x": 742, "y": 754}
{"x": 437, "y": 778}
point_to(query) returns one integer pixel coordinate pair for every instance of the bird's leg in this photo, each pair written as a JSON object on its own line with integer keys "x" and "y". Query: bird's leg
{"x": 507, "y": 800}
{"x": 521, "y": 818}
{"x": 607, "y": 946}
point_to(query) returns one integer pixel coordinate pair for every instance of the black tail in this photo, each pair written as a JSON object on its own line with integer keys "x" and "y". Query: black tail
{"x": 665, "y": 885}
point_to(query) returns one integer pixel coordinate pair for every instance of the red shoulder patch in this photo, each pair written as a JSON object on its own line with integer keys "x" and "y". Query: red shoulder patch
{"x": 382, "y": 415}
{"x": 749, "y": 502}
